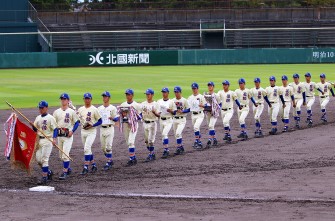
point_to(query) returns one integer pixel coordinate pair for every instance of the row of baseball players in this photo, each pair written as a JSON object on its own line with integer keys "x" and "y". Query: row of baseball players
{"x": 171, "y": 113}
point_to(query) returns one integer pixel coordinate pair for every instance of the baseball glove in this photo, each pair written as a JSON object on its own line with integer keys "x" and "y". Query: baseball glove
{"x": 87, "y": 126}
{"x": 63, "y": 132}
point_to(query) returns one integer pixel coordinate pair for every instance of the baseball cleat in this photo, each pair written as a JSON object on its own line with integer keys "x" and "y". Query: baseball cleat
{"x": 182, "y": 150}
{"x": 310, "y": 123}
{"x": 228, "y": 140}
{"x": 273, "y": 131}
{"x": 151, "y": 157}
{"x": 209, "y": 143}
{"x": 107, "y": 167}
{"x": 63, "y": 176}
{"x": 241, "y": 135}
{"x": 165, "y": 154}
{"x": 297, "y": 125}
{"x": 131, "y": 162}
{"x": 69, "y": 171}
{"x": 245, "y": 137}
{"x": 84, "y": 172}
{"x": 225, "y": 137}
{"x": 50, "y": 174}
{"x": 285, "y": 129}
{"x": 195, "y": 145}
{"x": 179, "y": 151}
{"x": 199, "y": 146}
{"x": 94, "y": 169}
{"x": 43, "y": 181}
{"x": 215, "y": 142}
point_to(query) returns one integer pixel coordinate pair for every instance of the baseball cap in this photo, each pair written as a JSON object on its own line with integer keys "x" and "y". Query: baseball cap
{"x": 88, "y": 95}
{"x": 322, "y": 75}
{"x": 64, "y": 96}
{"x": 284, "y": 77}
{"x": 296, "y": 75}
{"x": 42, "y": 104}
{"x": 177, "y": 89}
{"x": 165, "y": 89}
{"x": 308, "y": 74}
{"x": 241, "y": 81}
{"x": 211, "y": 83}
{"x": 225, "y": 82}
{"x": 129, "y": 91}
{"x": 149, "y": 91}
{"x": 257, "y": 80}
{"x": 106, "y": 94}
{"x": 272, "y": 78}
{"x": 195, "y": 85}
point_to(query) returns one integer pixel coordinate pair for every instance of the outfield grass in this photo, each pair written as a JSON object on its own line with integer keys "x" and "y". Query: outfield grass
{"x": 24, "y": 88}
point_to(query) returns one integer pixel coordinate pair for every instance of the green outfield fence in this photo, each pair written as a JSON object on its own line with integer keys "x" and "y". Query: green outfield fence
{"x": 167, "y": 57}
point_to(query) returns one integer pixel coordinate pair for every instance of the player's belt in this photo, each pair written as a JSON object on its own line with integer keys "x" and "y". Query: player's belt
{"x": 106, "y": 126}
{"x": 309, "y": 96}
{"x": 41, "y": 137}
{"x": 226, "y": 109}
{"x": 181, "y": 117}
{"x": 272, "y": 102}
{"x": 148, "y": 121}
{"x": 324, "y": 96}
{"x": 195, "y": 113}
{"x": 165, "y": 118}
{"x": 243, "y": 106}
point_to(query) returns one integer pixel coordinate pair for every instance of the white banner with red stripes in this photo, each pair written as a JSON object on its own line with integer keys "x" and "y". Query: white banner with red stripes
{"x": 9, "y": 128}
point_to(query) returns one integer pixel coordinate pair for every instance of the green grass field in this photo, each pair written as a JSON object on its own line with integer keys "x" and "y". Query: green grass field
{"x": 24, "y": 88}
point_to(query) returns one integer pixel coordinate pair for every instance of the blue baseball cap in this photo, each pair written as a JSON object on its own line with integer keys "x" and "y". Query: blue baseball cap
{"x": 149, "y": 91}
{"x": 129, "y": 91}
{"x": 241, "y": 81}
{"x": 308, "y": 74}
{"x": 272, "y": 78}
{"x": 165, "y": 89}
{"x": 225, "y": 82}
{"x": 284, "y": 78}
{"x": 106, "y": 94}
{"x": 257, "y": 80}
{"x": 42, "y": 104}
{"x": 211, "y": 83}
{"x": 177, "y": 89}
{"x": 296, "y": 75}
{"x": 64, "y": 96}
{"x": 195, "y": 85}
{"x": 88, "y": 96}
{"x": 322, "y": 75}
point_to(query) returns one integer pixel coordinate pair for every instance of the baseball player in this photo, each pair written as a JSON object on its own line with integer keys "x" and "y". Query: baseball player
{"x": 299, "y": 93}
{"x": 150, "y": 114}
{"x": 196, "y": 102}
{"x": 179, "y": 119}
{"x": 310, "y": 97}
{"x": 68, "y": 122}
{"x": 109, "y": 116}
{"x": 274, "y": 94}
{"x": 286, "y": 92}
{"x": 130, "y": 114}
{"x": 212, "y": 110}
{"x": 325, "y": 87}
{"x": 243, "y": 95}
{"x": 227, "y": 98}
{"x": 259, "y": 94}
{"x": 46, "y": 123}
{"x": 90, "y": 119}
{"x": 167, "y": 107}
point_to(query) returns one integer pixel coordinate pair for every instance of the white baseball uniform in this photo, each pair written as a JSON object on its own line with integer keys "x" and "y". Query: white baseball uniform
{"x": 273, "y": 94}
{"x": 324, "y": 99}
{"x": 88, "y": 115}
{"x": 150, "y": 121}
{"x": 258, "y": 94}
{"x": 211, "y": 120}
{"x": 287, "y": 92}
{"x": 244, "y": 97}
{"x": 179, "y": 120}
{"x": 310, "y": 94}
{"x": 166, "y": 118}
{"x": 298, "y": 90}
{"x": 65, "y": 119}
{"x": 227, "y": 100}
{"x": 196, "y": 111}
{"x": 47, "y": 124}
{"x": 107, "y": 127}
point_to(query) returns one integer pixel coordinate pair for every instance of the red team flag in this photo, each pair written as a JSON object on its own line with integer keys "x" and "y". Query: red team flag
{"x": 23, "y": 139}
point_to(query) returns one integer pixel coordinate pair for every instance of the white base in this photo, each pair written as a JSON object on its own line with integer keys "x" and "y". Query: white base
{"x": 42, "y": 189}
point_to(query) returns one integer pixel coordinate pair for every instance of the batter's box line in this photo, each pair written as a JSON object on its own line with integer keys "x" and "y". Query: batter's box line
{"x": 182, "y": 197}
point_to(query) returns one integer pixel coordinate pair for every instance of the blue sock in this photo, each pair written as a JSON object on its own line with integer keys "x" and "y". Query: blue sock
{"x": 45, "y": 169}
{"x": 132, "y": 153}
{"x": 66, "y": 164}
{"x": 151, "y": 149}
{"x": 179, "y": 141}
{"x": 274, "y": 123}
{"x": 166, "y": 141}
{"x": 298, "y": 112}
{"x": 212, "y": 132}
{"x": 258, "y": 125}
{"x": 87, "y": 160}
{"x": 92, "y": 160}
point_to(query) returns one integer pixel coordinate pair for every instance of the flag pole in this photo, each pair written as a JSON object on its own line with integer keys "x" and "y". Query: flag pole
{"x": 31, "y": 123}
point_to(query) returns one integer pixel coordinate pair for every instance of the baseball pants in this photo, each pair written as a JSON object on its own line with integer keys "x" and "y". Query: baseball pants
{"x": 197, "y": 121}
{"x": 165, "y": 127}
{"x": 226, "y": 116}
{"x": 150, "y": 130}
{"x": 273, "y": 112}
{"x": 87, "y": 138}
{"x": 323, "y": 102}
{"x": 211, "y": 121}
{"x": 309, "y": 102}
{"x": 129, "y": 135}
{"x": 43, "y": 152}
{"x": 257, "y": 111}
{"x": 284, "y": 113}
{"x": 242, "y": 114}
{"x": 178, "y": 127}
{"x": 106, "y": 139}
{"x": 298, "y": 103}
{"x": 65, "y": 144}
